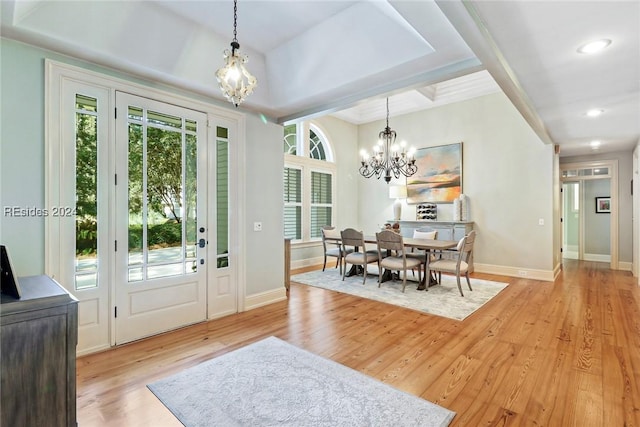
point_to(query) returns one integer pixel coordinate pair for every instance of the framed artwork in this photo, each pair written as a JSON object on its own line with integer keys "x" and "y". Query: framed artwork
{"x": 603, "y": 204}
{"x": 439, "y": 175}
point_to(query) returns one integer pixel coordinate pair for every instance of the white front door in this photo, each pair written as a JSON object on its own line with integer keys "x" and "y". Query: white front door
{"x": 161, "y": 200}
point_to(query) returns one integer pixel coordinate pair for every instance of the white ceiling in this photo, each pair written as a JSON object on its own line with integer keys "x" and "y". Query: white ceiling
{"x": 344, "y": 57}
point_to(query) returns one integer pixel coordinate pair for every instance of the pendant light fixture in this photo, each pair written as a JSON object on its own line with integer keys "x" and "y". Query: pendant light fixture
{"x": 388, "y": 157}
{"x": 235, "y": 80}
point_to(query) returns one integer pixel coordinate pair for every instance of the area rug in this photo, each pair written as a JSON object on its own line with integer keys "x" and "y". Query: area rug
{"x": 272, "y": 383}
{"x": 441, "y": 300}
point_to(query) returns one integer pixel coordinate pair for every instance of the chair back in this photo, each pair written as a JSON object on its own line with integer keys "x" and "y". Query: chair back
{"x": 329, "y": 232}
{"x": 424, "y": 234}
{"x": 465, "y": 245}
{"x": 352, "y": 238}
{"x": 388, "y": 240}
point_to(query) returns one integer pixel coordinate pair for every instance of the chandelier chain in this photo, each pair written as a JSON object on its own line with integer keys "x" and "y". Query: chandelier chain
{"x": 387, "y": 113}
{"x": 235, "y": 21}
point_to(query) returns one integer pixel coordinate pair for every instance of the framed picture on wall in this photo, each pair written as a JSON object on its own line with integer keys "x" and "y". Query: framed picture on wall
{"x": 439, "y": 176}
{"x": 603, "y": 204}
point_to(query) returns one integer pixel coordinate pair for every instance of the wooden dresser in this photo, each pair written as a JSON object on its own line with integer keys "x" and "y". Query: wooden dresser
{"x": 38, "y": 338}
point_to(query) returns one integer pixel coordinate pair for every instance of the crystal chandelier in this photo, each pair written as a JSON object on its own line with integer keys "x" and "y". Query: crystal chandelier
{"x": 388, "y": 157}
{"x": 235, "y": 80}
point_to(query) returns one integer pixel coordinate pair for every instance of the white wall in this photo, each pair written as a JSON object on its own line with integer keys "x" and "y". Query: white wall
{"x": 597, "y": 236}
{"x": 508, "y": 174}
{"x": 263, "y": 183}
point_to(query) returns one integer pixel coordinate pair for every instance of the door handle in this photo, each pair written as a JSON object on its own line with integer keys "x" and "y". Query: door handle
{"x": 202, "y": 243}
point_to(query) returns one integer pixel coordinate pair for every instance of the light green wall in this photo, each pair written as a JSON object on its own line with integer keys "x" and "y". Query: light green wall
{"x": 22, "y": 180}
{"x": 22, "y": 154}
{"x": 507, "y": 175}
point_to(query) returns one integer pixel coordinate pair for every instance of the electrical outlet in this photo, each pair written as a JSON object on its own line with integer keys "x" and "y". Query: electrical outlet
{"x": 522, "y": 272}
{"x": 257, "y": 226}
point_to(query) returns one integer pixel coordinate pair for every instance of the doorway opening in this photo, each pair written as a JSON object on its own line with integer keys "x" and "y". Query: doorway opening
{"x": 589, "y": 211}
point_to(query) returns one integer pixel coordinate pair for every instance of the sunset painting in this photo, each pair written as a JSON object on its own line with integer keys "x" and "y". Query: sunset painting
{"x": 439, "y": 176}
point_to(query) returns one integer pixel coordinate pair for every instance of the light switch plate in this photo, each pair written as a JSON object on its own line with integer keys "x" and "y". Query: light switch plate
{"x": 257, "y": 226}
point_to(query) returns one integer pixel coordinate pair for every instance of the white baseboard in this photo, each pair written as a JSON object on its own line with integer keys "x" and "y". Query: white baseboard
{"x": 94, "y": 349}
{"x": 597, "y": 257}
{"x": 625, "y": 266}
{"x": 312, "y": 261}
{"x": 264, "y": 298}
{"x": 545, "y": 275}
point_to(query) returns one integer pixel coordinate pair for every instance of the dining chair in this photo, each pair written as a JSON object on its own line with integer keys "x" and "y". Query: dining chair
{"x": 460, "y": 264}
{"x": 355, "y": 251}
{"x": 392, "y": 243}
{"x": 332, "y": 246}
{"x": 423, "y": 233}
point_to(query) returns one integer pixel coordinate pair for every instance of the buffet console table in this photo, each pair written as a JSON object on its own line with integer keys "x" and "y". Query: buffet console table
{"x": 447, "y": 230}
{"x": 38, "y": 337}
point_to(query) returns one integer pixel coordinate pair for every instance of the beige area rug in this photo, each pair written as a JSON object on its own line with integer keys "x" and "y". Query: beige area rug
{"x": 441, "y": 300}
{"x": 273, "y": 383}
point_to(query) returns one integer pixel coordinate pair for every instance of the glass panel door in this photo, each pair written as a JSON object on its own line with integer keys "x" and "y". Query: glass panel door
{"x": 162, "y": 209}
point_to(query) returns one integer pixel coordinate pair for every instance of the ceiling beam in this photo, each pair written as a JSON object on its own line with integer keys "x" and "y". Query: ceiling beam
{"x": 430, "y": 77}
{"x": 467, "y": 22}
{"x": 428, "y": 92}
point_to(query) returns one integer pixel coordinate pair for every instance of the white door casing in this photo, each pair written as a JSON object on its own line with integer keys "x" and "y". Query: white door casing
{"x": 224, "y": 291}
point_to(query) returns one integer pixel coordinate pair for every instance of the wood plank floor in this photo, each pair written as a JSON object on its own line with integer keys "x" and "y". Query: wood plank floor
{"x": 539, "y": 354}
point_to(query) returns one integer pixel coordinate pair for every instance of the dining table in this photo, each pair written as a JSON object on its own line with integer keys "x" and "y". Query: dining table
{"x": 426, "y": 245}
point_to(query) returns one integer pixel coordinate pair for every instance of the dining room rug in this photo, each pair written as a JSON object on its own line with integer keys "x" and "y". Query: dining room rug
{"x": 441, "y": 300}
{"x": 273, "y": 383}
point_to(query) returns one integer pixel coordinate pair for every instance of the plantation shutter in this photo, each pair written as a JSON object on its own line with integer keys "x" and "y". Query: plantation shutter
{"x": 321, "y": 202}
{"x": 293, "y": 203}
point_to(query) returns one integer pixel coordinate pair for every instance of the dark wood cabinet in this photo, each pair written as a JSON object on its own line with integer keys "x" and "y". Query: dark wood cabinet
{"x": 38, "y": 337}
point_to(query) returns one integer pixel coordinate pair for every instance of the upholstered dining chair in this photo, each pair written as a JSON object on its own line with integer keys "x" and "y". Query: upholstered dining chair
{"x": 355, "y": 252}
{"x": 332, "y": 246}
{"x": 460, "y": 264}
{"x": 393, "y": 243}
{"x": 423, "y": 233}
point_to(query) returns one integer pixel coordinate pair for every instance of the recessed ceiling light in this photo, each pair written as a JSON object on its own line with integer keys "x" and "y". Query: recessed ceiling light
{"x": 595, "y": 112}
{"x": 595, "y": 144}
{"x": 594, "y": 46}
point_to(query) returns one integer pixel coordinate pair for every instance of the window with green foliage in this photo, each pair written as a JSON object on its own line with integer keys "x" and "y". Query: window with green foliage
{"x": 290, "y": 144}
{"x": 86, "y": 211}
{"x": 309, "y": 182}
{"x": 222, "y": 200}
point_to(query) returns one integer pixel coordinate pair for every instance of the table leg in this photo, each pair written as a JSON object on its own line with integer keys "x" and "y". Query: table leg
{"x": 432, "y": 280}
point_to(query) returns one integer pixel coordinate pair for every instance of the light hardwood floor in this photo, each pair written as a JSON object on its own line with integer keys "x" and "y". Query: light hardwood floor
{"x": 539, "y": 354}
